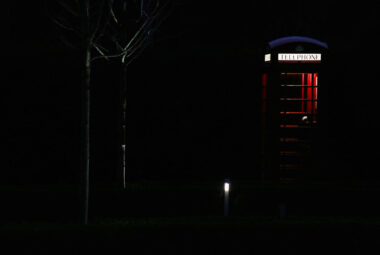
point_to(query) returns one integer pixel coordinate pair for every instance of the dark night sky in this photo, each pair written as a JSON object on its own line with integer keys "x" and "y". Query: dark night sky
{"x": 192, "y": 94}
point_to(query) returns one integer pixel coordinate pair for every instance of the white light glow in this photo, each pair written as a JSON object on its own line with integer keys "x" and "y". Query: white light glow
{"x": 267, "y": 57}
{"x": 226, "y": 187}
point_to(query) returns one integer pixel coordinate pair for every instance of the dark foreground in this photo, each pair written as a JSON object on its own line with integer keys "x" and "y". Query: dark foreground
{"x": 197, "y": 236}
{"x": 187, "y": 218}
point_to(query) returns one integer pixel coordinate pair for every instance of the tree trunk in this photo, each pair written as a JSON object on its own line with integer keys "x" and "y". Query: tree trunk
{"x": 123, "y": 117}
{"x": 86, "y": 94}
{"x": 85, "y": 139}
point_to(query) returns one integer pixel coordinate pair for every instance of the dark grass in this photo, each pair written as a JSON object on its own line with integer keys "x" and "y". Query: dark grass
{"x": 187, "y": 218}
{"x": 215, "y": 235}
{"x": 61, "y": 203}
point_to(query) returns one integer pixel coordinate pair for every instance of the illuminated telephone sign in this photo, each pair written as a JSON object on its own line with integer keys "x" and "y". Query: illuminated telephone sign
{"x": 291, "y": 101}
{"x": 302, "y": 58}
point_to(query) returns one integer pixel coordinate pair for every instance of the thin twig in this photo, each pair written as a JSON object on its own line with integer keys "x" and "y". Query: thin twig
{"x": 68, "y": 8}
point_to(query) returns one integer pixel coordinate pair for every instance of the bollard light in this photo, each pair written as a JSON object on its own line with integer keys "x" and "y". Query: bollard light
{"x": 226, "y": 187}
{"x": 226, "y": 197}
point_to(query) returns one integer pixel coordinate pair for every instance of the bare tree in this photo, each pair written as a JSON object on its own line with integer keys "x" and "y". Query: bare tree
{"x": 105, "y": 29}
{"x": 129, "y": 32}
{"x": 82, "y": 22}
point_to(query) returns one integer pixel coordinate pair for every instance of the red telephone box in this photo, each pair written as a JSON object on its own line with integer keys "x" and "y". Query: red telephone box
{"x": 292, "y": 94}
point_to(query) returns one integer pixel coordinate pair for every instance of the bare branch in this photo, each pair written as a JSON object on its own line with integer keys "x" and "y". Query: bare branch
{"x": 160, "y": 20}
{"x": 100, "y": 16}
{"x": 107, "y": 14}
{"x": 113, "y": 15}
{"x": 61, "y": 24}
{"x": 133, "y": 47}
{"x": 118, "y": 46}
{"x": 123, "y": 59}
{"x": 104, "y": 49}
{"x": 156, "y": 7}
{"x": 142, "y": 28}
{"x": 109, "y": 56}
{"x": 68, "y": 8}
{"x": 141, "y": 49}
{"x": 138, "y": 43}
{"x": 147, "y": 23}
{"x": 67, "y": 42}
{"x": 100, "y": 51}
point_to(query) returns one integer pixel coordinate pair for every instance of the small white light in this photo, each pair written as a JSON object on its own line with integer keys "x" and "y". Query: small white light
{"x": 267, "y": 58}
{"x": 226, "y": 187}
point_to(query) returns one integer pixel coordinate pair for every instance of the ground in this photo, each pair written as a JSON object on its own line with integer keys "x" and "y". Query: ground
{"x": 187, "y": 218}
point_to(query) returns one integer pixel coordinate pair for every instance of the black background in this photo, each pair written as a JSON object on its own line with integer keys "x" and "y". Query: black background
{"x": 193, "y": 95}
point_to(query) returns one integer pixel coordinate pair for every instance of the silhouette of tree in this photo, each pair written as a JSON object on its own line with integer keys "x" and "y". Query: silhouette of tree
{"x": 129, "y": 32}
{"x": 105, "y": 29}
